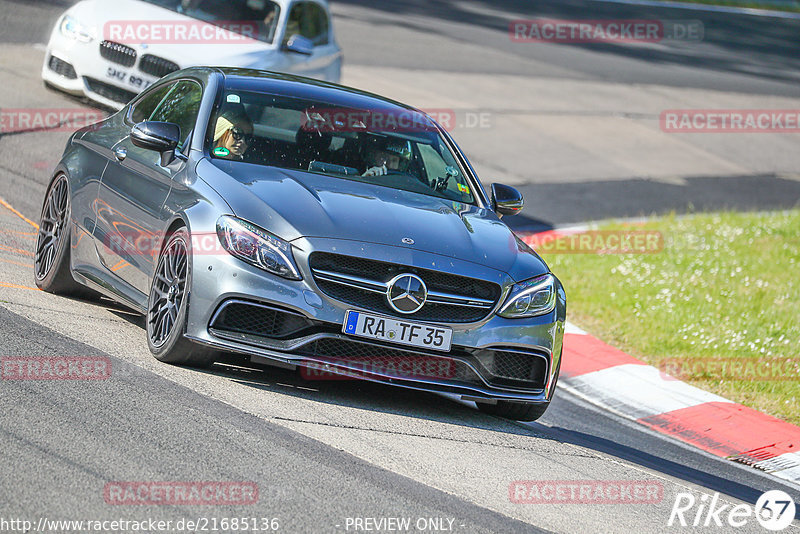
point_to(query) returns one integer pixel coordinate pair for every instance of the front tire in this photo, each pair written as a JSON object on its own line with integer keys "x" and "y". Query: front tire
{"x": 168, "y": 305}
{"x": 516, "y": 411}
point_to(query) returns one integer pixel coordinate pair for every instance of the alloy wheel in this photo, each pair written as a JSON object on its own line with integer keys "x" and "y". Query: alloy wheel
{"x": 51, "y": 230}
{"x": 169, "y": 289}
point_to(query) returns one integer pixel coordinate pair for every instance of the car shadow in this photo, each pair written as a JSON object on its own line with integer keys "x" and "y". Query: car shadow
{"x": 114, "y": 308}
{"x": 448, "y": 410}
{"x": 347, "y": 392}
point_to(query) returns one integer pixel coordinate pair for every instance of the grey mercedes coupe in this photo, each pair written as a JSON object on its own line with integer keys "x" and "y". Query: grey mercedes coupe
{"x": 306, "y": 225}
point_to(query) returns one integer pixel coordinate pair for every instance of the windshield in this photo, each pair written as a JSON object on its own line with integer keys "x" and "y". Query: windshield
{"x": 254, "y": 18}
{"x": 393, "y": 147}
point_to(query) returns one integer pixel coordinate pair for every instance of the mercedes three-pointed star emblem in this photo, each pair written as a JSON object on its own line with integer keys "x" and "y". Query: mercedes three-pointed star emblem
{"x": 406, "y": 293}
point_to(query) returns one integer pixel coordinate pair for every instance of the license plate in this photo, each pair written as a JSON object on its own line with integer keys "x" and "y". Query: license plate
{"x": 131, "y": 79}
{"x": 402, "y": 332}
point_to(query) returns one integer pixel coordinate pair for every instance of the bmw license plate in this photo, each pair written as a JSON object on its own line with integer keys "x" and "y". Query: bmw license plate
{"x": 402, "y": 332}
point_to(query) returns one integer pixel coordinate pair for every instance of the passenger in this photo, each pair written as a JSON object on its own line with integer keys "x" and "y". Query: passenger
{"x": 233, "y": 135}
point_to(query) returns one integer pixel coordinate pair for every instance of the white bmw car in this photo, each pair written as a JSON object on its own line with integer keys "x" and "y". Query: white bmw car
{"x": 110, "y": 50}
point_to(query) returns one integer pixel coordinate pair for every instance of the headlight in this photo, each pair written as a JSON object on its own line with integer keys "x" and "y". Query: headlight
{"x": 257, "y": 247}
{"x": 530, "y": 298}
{"x": 74, "y": 29}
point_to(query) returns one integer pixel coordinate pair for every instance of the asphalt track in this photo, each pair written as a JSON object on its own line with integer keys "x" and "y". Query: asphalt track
{"x": 757, "y": 56}
{"x": 323, "y": 452}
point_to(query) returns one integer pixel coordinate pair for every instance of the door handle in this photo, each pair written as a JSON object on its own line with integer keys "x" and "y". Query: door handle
{"x": 121, "y": 153}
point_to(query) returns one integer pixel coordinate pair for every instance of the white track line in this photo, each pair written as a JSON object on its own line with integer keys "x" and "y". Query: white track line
{"x": 639, "y": 391}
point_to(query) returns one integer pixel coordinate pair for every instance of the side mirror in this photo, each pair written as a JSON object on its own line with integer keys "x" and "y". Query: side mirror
{"x": 299, "y": 45}
{"x": 506, "y": 200}
{"x": 162, "y": 137}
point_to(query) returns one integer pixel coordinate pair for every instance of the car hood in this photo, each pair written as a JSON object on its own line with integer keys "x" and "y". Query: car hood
{"x": 295, "y": 204}
{"x": 96, "y": 14}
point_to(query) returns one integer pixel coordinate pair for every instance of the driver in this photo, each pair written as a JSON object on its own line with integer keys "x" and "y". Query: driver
{"x": 233, "y": 135}
{"x": 392, "y": 155}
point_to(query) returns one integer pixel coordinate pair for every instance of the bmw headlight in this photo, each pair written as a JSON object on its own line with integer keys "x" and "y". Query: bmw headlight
{"x": 257, "y": 247}
{"x": 73, "y": 29}
{"x": 530, "y": 298}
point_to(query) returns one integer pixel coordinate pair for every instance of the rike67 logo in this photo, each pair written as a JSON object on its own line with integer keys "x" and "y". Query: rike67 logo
{"x": 774, "y": 510}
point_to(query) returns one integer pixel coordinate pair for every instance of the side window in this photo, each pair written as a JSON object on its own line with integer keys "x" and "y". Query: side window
{"x": 181, "y": 107}
{"x": 142, "y": 109}
{"x": 310, "y": 20}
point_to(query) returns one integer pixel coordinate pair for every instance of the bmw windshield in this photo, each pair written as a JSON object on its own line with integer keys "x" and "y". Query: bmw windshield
{"x": 392, "y": 147}
{"x": 254, "y": 18}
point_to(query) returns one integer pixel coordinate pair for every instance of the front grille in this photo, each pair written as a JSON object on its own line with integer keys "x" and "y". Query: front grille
{"x": 157, "y": 66}
{"x": 388, "y": 361}
{"x": 109, "y": 91}
{"x": 61, "y": 67}
{"x": 118, "y": 53}
{"x": 259, "y": 320}
{"x": 485, "y": 294}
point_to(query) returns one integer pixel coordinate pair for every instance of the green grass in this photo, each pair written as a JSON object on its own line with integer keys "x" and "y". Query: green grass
{"x": 794, "y": 7}
{"x": 726, "y": 285}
